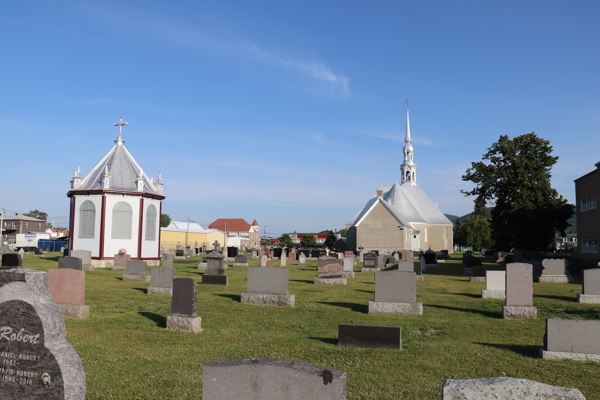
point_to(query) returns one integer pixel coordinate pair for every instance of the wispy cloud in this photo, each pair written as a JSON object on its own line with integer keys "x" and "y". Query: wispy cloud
{"x": 177, "y": 32}
{"x": 398, "y": 136}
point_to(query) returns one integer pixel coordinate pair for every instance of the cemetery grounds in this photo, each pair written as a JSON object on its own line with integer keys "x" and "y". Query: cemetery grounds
{"x": 128, "y": 354}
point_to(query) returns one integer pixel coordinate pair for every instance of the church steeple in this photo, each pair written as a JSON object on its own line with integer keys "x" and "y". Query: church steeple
{"x": 408, "y": 169}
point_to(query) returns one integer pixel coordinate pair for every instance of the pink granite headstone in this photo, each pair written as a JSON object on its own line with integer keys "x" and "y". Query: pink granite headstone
{"x": 67, "y": 286}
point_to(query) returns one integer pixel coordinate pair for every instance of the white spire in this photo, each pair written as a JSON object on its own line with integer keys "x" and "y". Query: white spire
{"x": 407, "y": 136}
{"x": 408, "y": 168}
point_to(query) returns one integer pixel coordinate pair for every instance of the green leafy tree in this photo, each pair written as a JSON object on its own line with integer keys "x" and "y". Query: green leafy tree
{"x": 165, "y": 220}
{"x": 478, "y": 233}
{"x": 515, "y": 175}
{"x": 308, "y": 240}
{"x": 264, "y": 242}
{"x": 285, "y": 240}
{"x": 344, "y": 232}
{"x": 330, "y": 241}
{"x": 460, "y": 233}
{"x": 37, "y": 214}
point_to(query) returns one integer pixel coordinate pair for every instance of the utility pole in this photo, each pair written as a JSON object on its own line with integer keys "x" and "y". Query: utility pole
{"x": 1, "y": 226}
{"x": 187, "y": 231}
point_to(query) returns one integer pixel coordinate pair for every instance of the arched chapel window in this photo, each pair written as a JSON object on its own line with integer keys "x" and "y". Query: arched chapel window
{"x": 87, "y": 220}
{"x": 121, "y": 221}
{"x": 151, "y": 223}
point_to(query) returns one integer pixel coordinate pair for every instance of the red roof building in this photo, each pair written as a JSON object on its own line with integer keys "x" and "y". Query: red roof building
{"x": 238, "y": 230}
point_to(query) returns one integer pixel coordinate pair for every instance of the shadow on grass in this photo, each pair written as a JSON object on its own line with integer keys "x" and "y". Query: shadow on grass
{"x": 475, "y": 296}
{"x": 51, "y": 258}
{"x": 361, "y": 308}
{"x": 366, "y": 291}
{"x": 526, "y": 351}
{"x": 141, "y": 289}
{"x": 119, "y": 278}
{"x": 195, "y": 272}
{"x": 160, "y": 321}
{"x": 325, "y": 340}
{"x": 563, "y": 298}
{"x": 301, "y": 281}
{"x": 490, "y": 314}
{"x": 234, "y": 297}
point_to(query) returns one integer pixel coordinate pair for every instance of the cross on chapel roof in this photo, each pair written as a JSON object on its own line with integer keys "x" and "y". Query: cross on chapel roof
{"x": 120, "y": 124}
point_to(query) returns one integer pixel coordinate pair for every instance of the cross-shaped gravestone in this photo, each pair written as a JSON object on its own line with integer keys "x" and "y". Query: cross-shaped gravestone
{"x": 216, "y": 244}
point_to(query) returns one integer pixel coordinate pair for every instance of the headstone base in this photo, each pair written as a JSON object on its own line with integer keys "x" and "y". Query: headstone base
{"x": 88, "y": 267}
{"x": 384, "y": 307}
{"x": 118, "y": 268}
{"x": 186, "y": 324}
{"x": 331, "y": 281}
{"x": 559, "y": 355}
{"x": 512, "y": 312}
{"x": 348, "y": 274}
{"x": 503, "y": 388}
{"x": 180, "y": 257}
{"x": 420, "y": 278}
{"x": 468, "y": 271}
{"x": 441, "y": 261}
{"x": 202, "y": 266}
{"x": 493, "y": 294}
{"x": 556, "y": 279}
{"x": 267, "y": 299}
{"x": 140, "y": 278}
{"x": 429, "y": 267}
{"x": 370, "y": 269}
{"x": 477, "y": 279}
{"x": 77, "y": 312}
{"x": 215, "y": 279}
{"x": 161, "y": 291}
{"x": 588, "y": 298}
{"x": 240, "y": 264}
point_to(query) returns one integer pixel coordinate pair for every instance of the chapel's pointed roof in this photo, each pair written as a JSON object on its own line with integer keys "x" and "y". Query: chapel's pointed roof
{"x": 123, "y": 173}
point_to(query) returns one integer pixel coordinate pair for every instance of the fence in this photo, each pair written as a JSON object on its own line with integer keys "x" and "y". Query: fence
{"x": 51, "y": 245}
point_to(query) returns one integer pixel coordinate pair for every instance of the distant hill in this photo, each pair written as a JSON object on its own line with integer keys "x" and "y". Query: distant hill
{"x": 453, "y": 218}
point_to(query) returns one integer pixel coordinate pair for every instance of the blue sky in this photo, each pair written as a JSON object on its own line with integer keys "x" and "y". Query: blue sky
{"x": 290, "y": 112}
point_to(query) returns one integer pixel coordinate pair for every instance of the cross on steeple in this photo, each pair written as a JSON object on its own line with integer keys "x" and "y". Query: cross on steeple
{"x": 120, "y": 124}
{"x": 407, "y": 101}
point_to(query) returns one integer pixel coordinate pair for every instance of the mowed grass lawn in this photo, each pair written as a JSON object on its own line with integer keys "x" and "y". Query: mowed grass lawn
{"x": 128, "y": 354}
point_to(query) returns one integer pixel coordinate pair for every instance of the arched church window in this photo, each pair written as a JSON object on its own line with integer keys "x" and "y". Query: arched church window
{"x": 151, "y": 223}
{"x": 121, "y": 221}
{"x": 413, "y": 176}
{"x": 87, "y": 220}
{"x": 408, "y": 176}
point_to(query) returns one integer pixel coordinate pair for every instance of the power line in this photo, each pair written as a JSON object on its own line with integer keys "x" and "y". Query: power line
{"x": 30, "y": 195}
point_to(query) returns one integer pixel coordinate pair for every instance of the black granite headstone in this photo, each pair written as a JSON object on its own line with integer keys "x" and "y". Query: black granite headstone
{"x": 70, "y": 262}
{"x": 11, "y": 260}
{"x": 430, "y": 257}
{"x": 473, "y": 262}
{"x": 232, "y": 251}
{"x": 370, "y": 260}
{"x": 315, "y": 253}
{"x": 214, "y": 279}
{"x": 184, "y": 297}
{"x": 178, "y": 253}
{"x": 277, "y": 252}
{"x": 479, "y": 272}
{"x": 370, "y": 336}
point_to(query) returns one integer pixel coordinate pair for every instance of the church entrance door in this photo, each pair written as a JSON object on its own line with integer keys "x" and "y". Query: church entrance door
{"x": 416, "y": 241}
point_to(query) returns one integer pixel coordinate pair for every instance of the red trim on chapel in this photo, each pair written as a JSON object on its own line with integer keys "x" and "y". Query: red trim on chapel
{"x": 140, "y": 228}
{"x": 102, "y": 214}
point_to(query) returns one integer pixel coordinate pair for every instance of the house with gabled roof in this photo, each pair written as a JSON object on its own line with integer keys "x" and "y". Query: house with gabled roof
{"x": 239, "y": 233}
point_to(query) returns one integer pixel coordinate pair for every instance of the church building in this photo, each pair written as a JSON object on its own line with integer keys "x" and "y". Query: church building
{"x": 116, "y": 206}
{"x": 400, "y": 217}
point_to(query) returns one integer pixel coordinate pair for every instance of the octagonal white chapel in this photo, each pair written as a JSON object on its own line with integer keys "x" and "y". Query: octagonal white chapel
{"x": 116, "y": 206}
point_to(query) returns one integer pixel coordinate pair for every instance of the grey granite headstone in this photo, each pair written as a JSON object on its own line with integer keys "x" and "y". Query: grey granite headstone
{"x": 137, "y": 267}
{"x": 348, "y": 264}
{"x": 11, "y": 260}
{"x": 272, "y": 379}
{"x": 169, "y": 258}
{"x": 505, "y": 389}
{"x": 272, "y": 280}
{"x": 554, "y": 266}
{"x": 573, "y": 336}
{"x": 184, "y": 297}
{"x": 214, "y": 264}
{"x": 591, "y": 281}
{"x": 37, "y": 343}
{"x": 263, "y": 261}
{"x": 395, "y": 287}
{"x": 70, "y": 262}
{"x": 241, "y": 260}
{"x": 322, "y": 262}
{"x": 408, "y": 266}
{"x": 519, "y": 285}
{"x": 162, "y": 276}
{"x": 85, "y": 255}
{"x": 283, "y": 261}
{"x": 370, "y": 336}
